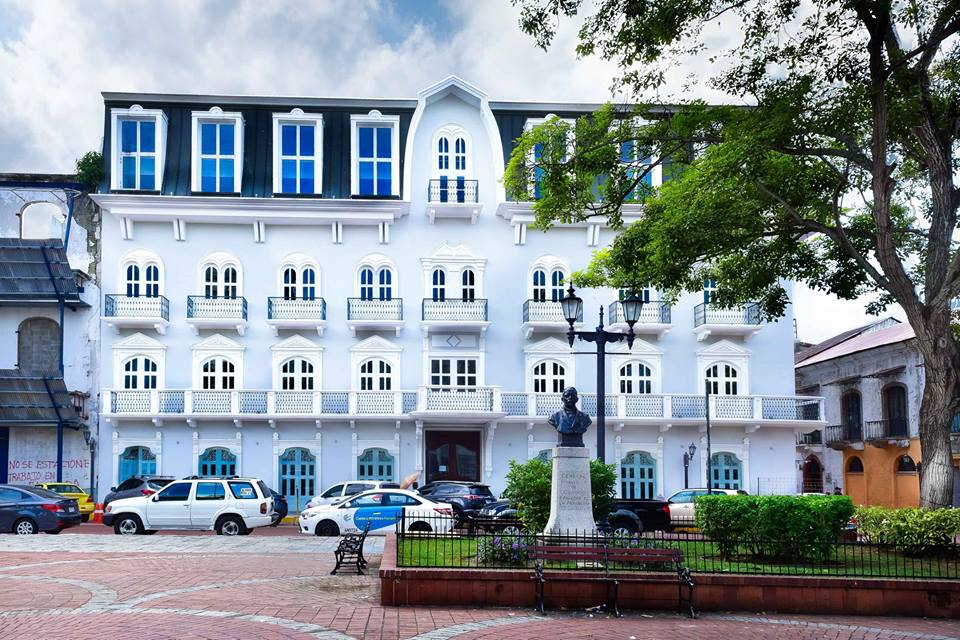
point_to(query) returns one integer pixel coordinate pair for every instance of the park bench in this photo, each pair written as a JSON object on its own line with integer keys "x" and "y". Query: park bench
{"x": 350, "y": 551}
{"x": 614, "y": 558}
{"x": 487, "y": 524}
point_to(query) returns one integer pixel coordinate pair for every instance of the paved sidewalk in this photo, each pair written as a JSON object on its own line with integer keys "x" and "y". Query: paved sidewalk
{"x": 190, "y": 587}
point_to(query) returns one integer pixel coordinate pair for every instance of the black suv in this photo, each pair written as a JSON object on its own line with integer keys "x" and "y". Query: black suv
{"x": 466, "y": 498}
{"x": 137, "y": 486}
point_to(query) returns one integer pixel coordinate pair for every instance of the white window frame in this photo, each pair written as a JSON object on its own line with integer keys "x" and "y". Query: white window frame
{"x": 216, "y": 115}
{"x": 138, "y": 345}
{"x": 142, "y": 259}
{"x": 377, "y": 262}
{"x": 299, "y": 263}
{"x": 300, "y": 380}
{"x": 140, "y": 374}
{"x": 296, "y": 346}
{"x": 536, "y": 122}
{"x": 452, "y": 132}
{"x": 635, "y": 380}
{"x": 298, "y": 117}
{"x": 218, "y": 346}
{"x": 136, "y": 112}
{"x": 453, "y": 373}
{"x": 723, "y": 379}
{"x": 724, "y": 352}
{"x": 379, "y": 380}
{"x": 375, "y": 119}
{"x": 222, "y": 367}
{"x": 453, "y": 260}
{"x": 549, "y": 349}
{"x": 643, "y": 352}
{"x": 220, "y": 260}
{"x": 548, "y": 264}
{"x": 548, "y": 377}
{"x": 468, "y": 284}
{"x": 375, "y": 347}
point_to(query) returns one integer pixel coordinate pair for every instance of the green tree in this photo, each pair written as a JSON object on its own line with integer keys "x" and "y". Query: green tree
{"x": 528, "y": 489}
{"x": 839, "y": 174}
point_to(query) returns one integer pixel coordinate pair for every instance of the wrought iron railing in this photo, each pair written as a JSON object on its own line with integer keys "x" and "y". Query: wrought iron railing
{"x": 120, "y": 306}
{"x": 451, "y": 399}
{"x": 374, "y": 310}
{"x": 452, "y": 190}
{"x": 296, "y": 309}
{"x": 456, "y": 310}
{"x": 653, "y": 312}
{"x": 837, "y": 433}
{"x": 546, "y": 311}
{"x": 811, "y": 438}
{"x": 705, "y": 313}
{"x": 890, "y": 428}
{"x": 201, "y": 307}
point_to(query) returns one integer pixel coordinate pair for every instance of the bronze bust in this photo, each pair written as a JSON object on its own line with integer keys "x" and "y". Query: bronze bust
{"x": 570, "y": 422}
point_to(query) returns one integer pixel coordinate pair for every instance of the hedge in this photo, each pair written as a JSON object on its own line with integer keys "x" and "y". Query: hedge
{"x": 529, "y": 485}
{"x": 920, "y": 530}
{"x": 788, "y": 527}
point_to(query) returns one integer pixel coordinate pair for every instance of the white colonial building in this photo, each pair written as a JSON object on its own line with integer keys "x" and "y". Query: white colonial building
{"x": 315, "y": 290}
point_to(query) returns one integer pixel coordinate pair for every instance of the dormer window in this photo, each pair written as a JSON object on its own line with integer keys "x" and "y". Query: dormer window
{"x": 375, "y": 154}
{"x": 138, "y": 137}
{"x": 298, "y": 152}
{"x": 538, "y": 172}
{"x": 217, "y": 151}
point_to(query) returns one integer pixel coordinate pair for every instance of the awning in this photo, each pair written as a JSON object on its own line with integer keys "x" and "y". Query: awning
{"x": 36, "y": 272}
{"x": 31, "y": 400}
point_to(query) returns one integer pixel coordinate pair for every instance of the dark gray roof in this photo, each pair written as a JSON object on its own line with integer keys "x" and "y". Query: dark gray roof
{"x": 26, "y": 401}
{"x": 36, "y": 272}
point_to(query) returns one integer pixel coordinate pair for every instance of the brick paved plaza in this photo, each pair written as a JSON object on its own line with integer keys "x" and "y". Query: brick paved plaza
{"x": 275, "y": 585}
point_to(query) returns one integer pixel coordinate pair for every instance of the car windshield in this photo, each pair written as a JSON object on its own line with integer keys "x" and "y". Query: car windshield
{"x": 49, "y": 495}
{"x": 64, "y": 488}
{"x": 158, "y": 483}
{"x": 264, "y": 489}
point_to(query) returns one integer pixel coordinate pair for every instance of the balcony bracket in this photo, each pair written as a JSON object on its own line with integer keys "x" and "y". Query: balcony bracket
{"x": 161, "y": 328}
{"x": 238, "y": 423}
{"x": 665, "y": 427}
{"x": 702, "y": 428}
{"x": 318, "y": 424}
{"x": 192, "y": 423}
{"x": 157, "y": 422}
{"x": 272, "y": 423}
{"x": 751, "y": 428}
{"x": 618, "y": 427}
{"x": 241, "y": 328}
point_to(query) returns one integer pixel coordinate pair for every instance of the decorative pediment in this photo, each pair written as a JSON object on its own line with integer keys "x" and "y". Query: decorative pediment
{"x": 640, "y": 348}
{"x": 375, "y": 344}
{"x": 723, "y": 348}
{"x": 219, "y": 343}
{"x": 452, "y": 85}
{"x": 552, "y": 346}
{"x": 139, "y": 342}
{"x": 453, "y": 254}
{"x": 296, "y": 344}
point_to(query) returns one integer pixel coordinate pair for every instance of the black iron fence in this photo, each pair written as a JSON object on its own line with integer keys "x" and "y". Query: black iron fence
{"x": 502, "y": 546}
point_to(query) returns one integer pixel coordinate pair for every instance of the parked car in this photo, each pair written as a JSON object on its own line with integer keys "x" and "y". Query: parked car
{"x": 340, "y": 491}
{"x": 466, "y": 498}
{"x": 498, "y": 516}
{"x": 25, "y": 510}
{"x": 280, "y": 508}
{"x": 229, "y": 506}
{"x": 382, "y": 508}
{"x": 136, "y": 486}
{"x": 628, "y": 517}
{"x": 682, "y": 511}
{"x": 69, "y": 490}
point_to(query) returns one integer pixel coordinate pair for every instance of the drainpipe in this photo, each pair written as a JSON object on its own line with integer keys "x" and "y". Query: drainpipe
{"x": 56, "y": 409}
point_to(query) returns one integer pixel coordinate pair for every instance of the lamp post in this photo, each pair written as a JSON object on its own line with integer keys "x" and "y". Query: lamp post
{"x": 571, "y": 305}
{"x": 687, "y": 458}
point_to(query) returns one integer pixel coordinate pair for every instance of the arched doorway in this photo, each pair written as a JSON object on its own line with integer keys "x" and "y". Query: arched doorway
{"x": 812, "y": 475}
{"x": 137, "y": 461}
{"x": 638, "y": 476}
{"x": 297, "y": 477}
{"x": 217, "y": 462}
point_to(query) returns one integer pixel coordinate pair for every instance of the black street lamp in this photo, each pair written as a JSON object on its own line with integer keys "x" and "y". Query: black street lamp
{"x": 687, "y": 458}
{"x": 571, "y": 305}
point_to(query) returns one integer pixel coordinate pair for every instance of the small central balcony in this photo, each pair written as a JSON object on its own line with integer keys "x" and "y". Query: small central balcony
{"x": 374, "y": 315}
{"x": 737, "y": 321}
{"x": 454, "y": 314}
{"x": 136, "y": 312}
{"x": 453, "y": 403}
{"x": 297, "y": 314}
{"x": 881, "y": 433}
{"x": 217, "y": 313}
{"x": 841, "y": 436}
{"x": 545, "y": 315}
{"x": 655, "y": 318}
{"x": 812, "y": 439}
{"x": 452, "y": 198}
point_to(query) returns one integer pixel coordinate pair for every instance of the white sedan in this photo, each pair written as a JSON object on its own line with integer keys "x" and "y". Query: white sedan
{"x": 383, "y": 509}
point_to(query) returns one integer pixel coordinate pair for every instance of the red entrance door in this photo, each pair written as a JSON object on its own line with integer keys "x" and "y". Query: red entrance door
{"x": 812, "y": 475}
{"x": 453, "y": 455}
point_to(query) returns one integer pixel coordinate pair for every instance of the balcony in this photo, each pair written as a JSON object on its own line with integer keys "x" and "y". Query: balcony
{"x": 136, "y": 312}
{"x": 841, "y": 436}
{"x": 454, "y": 314}
{"x": 738, "y": 321}
{"x": 374, "y": 315}
{"x": 217, "y": 313}
{"x": 654, "y": 318}
{"x": 454, "y": 199}
{"x": 881, "y": 433}
{"x": 297, "y": 314}
{"x": 544, "y": 315}
{"x": 813, "y": 439}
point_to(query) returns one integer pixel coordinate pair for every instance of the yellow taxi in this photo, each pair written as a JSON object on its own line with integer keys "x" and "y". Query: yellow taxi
{"x": 69, "y": 490}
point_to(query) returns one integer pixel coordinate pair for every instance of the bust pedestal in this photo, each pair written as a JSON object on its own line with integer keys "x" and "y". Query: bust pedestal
{"x": 571, "y": 501}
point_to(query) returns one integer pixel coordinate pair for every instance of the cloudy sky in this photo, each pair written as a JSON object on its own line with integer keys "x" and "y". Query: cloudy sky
{"x": 56, "y": 57}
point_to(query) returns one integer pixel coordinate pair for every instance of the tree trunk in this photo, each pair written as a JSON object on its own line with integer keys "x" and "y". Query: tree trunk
{"x": 941, "y": 364}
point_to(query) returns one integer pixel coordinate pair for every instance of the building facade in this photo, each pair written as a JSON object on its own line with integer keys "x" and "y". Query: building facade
{"x": 317, "y": 290}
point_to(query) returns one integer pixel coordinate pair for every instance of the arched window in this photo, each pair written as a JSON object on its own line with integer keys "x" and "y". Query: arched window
{"x": 468, "y": 280}
{"x": 895, "y": 410}
{"x": 139, "y": 372}
{"x": 211, "y": 282}
{"x": 218, "y": 373}
{"x": 443, "y": 153}
{"x": 375, "y": 464}
{"x": 38, "y": 345}
{"x": 296, "y": 374}
{"x": 850, "y": 414}
{"x": 230, "y": 282}
{"x": 539, "y": 285}
{"x": 217, "y": 462}
{"x": 460, "y": 155}
{"x": 133, "y": 280}
{"x": 375, "y": 375}
{"x": 309, "y": 280}
{"x": 854, "y": 465}
{"x": 722, "y": 379}
{"x": 221, "y": 280}
{"x": 905, "y": 464}
{"x": 548, "y": 377}
{"x": 290, "y": 283}
{"x": 152, "y": 281}
{"x": 556, "y": 285}
{"x": 638, "y": 476}
{"x": 439, "y": 290}
{"x": 709, "y": 289}
{"x": 366, "y": 283}
{"x": 385, "y": 278}
{"x": 727, "y": 471}
{"x": 137, "y": 461}
{"x": 41, "y": 221}
{"x": 636, "y": 377}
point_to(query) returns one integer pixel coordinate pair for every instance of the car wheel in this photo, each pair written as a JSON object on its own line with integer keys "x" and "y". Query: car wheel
{"x": 510, "y": 530}
{"x": 327, "y": 528}
{"x": 459, "y": 518}
{"x": 25, "y": 527}
{"x": 53, "y": 532}
{"x": 128, "y": 526}
{"x": 85, "y": 517}
{"x": 230, "y": 526}
{"x": 419, "y": 527}
{"x": 623, "y": 529}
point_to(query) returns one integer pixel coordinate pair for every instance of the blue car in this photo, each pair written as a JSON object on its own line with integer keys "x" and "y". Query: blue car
{"x": 26, "y": 510}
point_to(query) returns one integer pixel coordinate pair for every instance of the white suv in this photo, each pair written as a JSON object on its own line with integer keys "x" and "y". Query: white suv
{"x": 229, "y": 506}
{"x": 338, "y": 492}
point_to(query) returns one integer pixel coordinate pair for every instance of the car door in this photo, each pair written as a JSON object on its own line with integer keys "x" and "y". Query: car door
{"x": 170, "y": 507}
{"x": 681, "y": 508}
{"x": 208, "y": 500}
{"x": 9, "y": 507}
{"x": 372, "y": 508}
